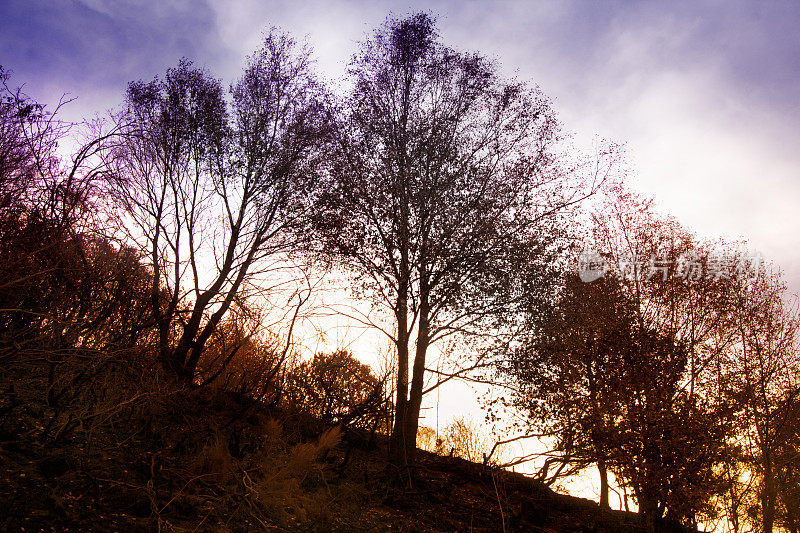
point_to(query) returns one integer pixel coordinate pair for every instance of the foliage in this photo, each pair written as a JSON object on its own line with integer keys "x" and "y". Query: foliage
{"x": 336, "y": 388}
{"x": 464, "y": 438}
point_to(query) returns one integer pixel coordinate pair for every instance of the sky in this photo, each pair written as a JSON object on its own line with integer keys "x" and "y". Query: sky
{"x": 704, "y": 95}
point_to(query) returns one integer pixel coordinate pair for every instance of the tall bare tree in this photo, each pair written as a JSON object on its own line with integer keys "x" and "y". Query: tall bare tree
{"x": 210, "y": 191}
{"x": 441, "y": 194}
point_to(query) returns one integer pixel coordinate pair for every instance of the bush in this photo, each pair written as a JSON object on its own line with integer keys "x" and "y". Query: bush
{"x": 338, "y": 389}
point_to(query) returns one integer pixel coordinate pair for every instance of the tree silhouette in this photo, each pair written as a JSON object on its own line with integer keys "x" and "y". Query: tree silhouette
{"x": 441, "y": 192}
{"x": 211, "y": 193}
{"x": 566, "y": 374}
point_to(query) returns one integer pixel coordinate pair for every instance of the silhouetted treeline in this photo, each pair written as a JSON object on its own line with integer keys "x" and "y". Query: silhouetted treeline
{"x": 676, "y": 372}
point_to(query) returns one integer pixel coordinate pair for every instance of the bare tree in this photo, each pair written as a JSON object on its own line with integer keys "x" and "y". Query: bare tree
{"x": 442, "y": 189}
{"x": 763, "y": 375}
{"x": 58, "y": 274}
{"x": 210, "y": 193}
{"x": 70, "y": 301}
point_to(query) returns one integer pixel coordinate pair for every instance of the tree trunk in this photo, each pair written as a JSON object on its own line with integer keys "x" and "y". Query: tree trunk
{"x": 187, "y": 354}
{"x": 602, "y": 470}
{"x": 397, "y": 455}
{"x": 768, "y": 499}
{"x": 648, "y": 509}
{"x": 418, "y": 377}
{"x": 397, "y": 447}
{"x": 397, "y": 443}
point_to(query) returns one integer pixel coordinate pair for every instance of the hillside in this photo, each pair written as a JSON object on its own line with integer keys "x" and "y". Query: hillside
{"x": 205, "y": 461}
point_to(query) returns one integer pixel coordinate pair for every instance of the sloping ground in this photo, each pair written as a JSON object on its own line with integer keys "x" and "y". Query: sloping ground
{"x": 451, "y": 494}
{"x": 461, "y": 496}
{"x": 48, "y": 492}
{"x": 178, "y": 474}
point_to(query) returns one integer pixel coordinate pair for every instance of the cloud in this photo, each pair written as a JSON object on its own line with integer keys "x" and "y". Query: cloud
{"x": 704, "y": 94}
{"x": 92, "y": 48}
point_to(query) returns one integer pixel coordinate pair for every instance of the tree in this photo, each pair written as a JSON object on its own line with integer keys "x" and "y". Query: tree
{"x": 210, "y": 194}
{"x": 440, "y": 194}
{"x": 762, "y": 369}
{"x": 622, "y": 372}
{"x": 19, "y": 138}
{"x": 730, "y": 315}
{"x": 565, "y": 375}
{"x": 464, "y": 438}
{"x": 787, "y": 432}
{"x": 667, "y": 445}
{"x": 680, "y": 292}
{"x": 63, "y": 284}
{"x": 71, "y": 302}
{"x": 244, "y": 359}
{"x": 611, "y": 394}
{"x": 337, "y": 388}
{"x": 428, "y": 439}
